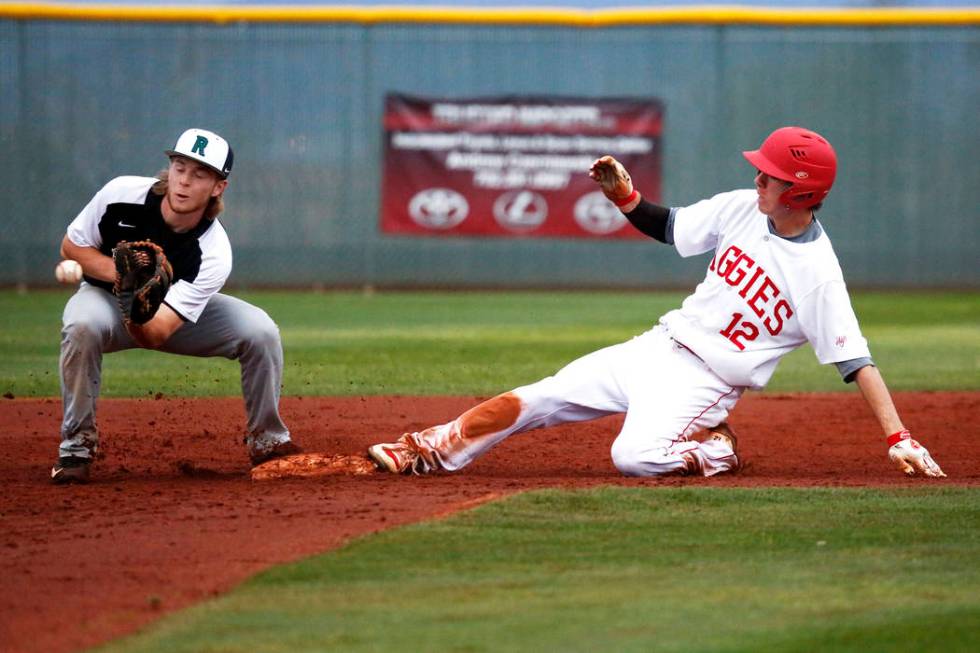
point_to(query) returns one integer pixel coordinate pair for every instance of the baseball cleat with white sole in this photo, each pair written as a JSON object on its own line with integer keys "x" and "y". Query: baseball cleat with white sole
{"x": 400, "y": 457}
{"x": 723, "y": 433}
{"x": 393, "y": 457}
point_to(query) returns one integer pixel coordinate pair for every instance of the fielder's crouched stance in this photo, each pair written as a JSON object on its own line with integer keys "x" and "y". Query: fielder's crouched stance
{"x": 773, "y": 284}
{"x": 154, "y": 257}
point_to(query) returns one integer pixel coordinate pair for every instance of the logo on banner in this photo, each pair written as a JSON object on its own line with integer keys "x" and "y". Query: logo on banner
{"x": 520, "y": 210}
{"x": 597, "y": 215}
{"x": 438, "y": 208}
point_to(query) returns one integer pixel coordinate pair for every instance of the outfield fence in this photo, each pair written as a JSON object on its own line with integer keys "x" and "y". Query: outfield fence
{"x": 91, "y": 92}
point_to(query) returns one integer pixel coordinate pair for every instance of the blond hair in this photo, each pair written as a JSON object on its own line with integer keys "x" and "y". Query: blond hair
{"x": 215, "y": 205}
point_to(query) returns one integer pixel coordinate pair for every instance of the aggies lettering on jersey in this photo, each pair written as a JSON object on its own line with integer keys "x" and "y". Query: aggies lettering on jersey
{"x": 127, "y": 209}
{"x": 734, "y": 266}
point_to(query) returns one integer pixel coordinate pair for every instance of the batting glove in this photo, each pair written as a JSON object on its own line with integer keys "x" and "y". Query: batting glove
{"x": 614, "y": 180}
{"x": 911, "y": 457}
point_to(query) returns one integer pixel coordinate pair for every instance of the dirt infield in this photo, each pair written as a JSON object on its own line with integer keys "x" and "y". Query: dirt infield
{"x": 171, "y": 517}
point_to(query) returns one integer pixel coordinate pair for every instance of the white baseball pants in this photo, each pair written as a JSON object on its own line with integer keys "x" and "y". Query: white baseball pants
{"x": 667, "y": 393}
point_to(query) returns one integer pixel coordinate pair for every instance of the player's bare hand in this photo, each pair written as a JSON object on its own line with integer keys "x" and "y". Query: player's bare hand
{"x": 912, "y": 458}
{"x": 612, "y": 177}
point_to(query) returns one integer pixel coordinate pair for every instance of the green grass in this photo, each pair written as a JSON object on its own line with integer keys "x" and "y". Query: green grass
{"x": 617, "y": 569}
{"x": 349, "y": 343}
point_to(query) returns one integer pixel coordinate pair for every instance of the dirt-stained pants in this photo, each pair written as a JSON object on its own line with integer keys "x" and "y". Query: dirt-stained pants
{"x": 667, "y": 393}
{"x": 92, "y": 326}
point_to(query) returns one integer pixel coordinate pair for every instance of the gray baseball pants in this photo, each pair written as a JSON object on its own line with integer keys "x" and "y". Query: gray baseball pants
{"x": 92, "y": 326}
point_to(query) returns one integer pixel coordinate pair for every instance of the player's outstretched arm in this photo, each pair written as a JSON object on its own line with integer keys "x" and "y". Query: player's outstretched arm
{"x": 911, "y": 457}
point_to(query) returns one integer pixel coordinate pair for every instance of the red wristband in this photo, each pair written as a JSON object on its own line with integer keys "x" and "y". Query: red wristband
{"x": 895, "y": 438}
{"x": 629, "y": 198}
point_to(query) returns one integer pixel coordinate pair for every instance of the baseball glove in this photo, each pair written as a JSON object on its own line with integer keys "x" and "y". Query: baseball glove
{"x": 143, "y": 277}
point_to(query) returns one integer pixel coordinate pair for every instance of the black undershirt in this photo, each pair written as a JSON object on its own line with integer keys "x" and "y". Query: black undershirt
{"x": 651, "y": 219}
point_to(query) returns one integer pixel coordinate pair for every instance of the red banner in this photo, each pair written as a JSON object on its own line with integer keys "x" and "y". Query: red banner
{"x": 513, "y": 166}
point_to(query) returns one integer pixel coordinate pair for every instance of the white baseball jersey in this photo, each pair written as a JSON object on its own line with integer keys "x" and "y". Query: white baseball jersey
{"x": 763, "y": 296}
{"x": 126, "y": 209}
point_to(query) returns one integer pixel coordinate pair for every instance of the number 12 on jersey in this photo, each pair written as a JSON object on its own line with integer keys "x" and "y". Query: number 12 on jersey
{"x": 748, "y": 331}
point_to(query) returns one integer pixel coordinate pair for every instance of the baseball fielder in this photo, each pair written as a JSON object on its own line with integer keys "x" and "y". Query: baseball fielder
{"x": 772, "y": 285}
{"x": 177, "y": 211}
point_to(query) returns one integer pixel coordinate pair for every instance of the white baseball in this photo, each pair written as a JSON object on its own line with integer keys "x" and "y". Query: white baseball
{"x": 68, "y": 271}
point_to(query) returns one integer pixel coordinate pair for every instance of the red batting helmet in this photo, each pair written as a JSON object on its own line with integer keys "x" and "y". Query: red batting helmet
{"x": 801, "y": 157}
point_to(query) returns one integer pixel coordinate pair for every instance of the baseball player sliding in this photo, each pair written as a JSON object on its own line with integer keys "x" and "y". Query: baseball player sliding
{"x": 154, "y": 257}
{"x": 773, "y": 284}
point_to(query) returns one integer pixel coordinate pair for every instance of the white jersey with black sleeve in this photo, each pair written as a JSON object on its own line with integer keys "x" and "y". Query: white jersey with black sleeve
{"x": 127, "y": 209}
{"x": 762, "y": 297}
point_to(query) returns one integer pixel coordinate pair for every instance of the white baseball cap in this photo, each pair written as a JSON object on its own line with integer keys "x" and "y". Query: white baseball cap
{"x": 207, "y": 148}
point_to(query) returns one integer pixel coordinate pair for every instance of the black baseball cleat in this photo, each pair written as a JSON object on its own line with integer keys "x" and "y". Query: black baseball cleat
{"x": 287, "y": 448}
{"x": 70, "y": 469}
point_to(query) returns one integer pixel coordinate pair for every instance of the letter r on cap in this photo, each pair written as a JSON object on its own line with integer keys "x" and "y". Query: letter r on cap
{"x": 199, "y": 146}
